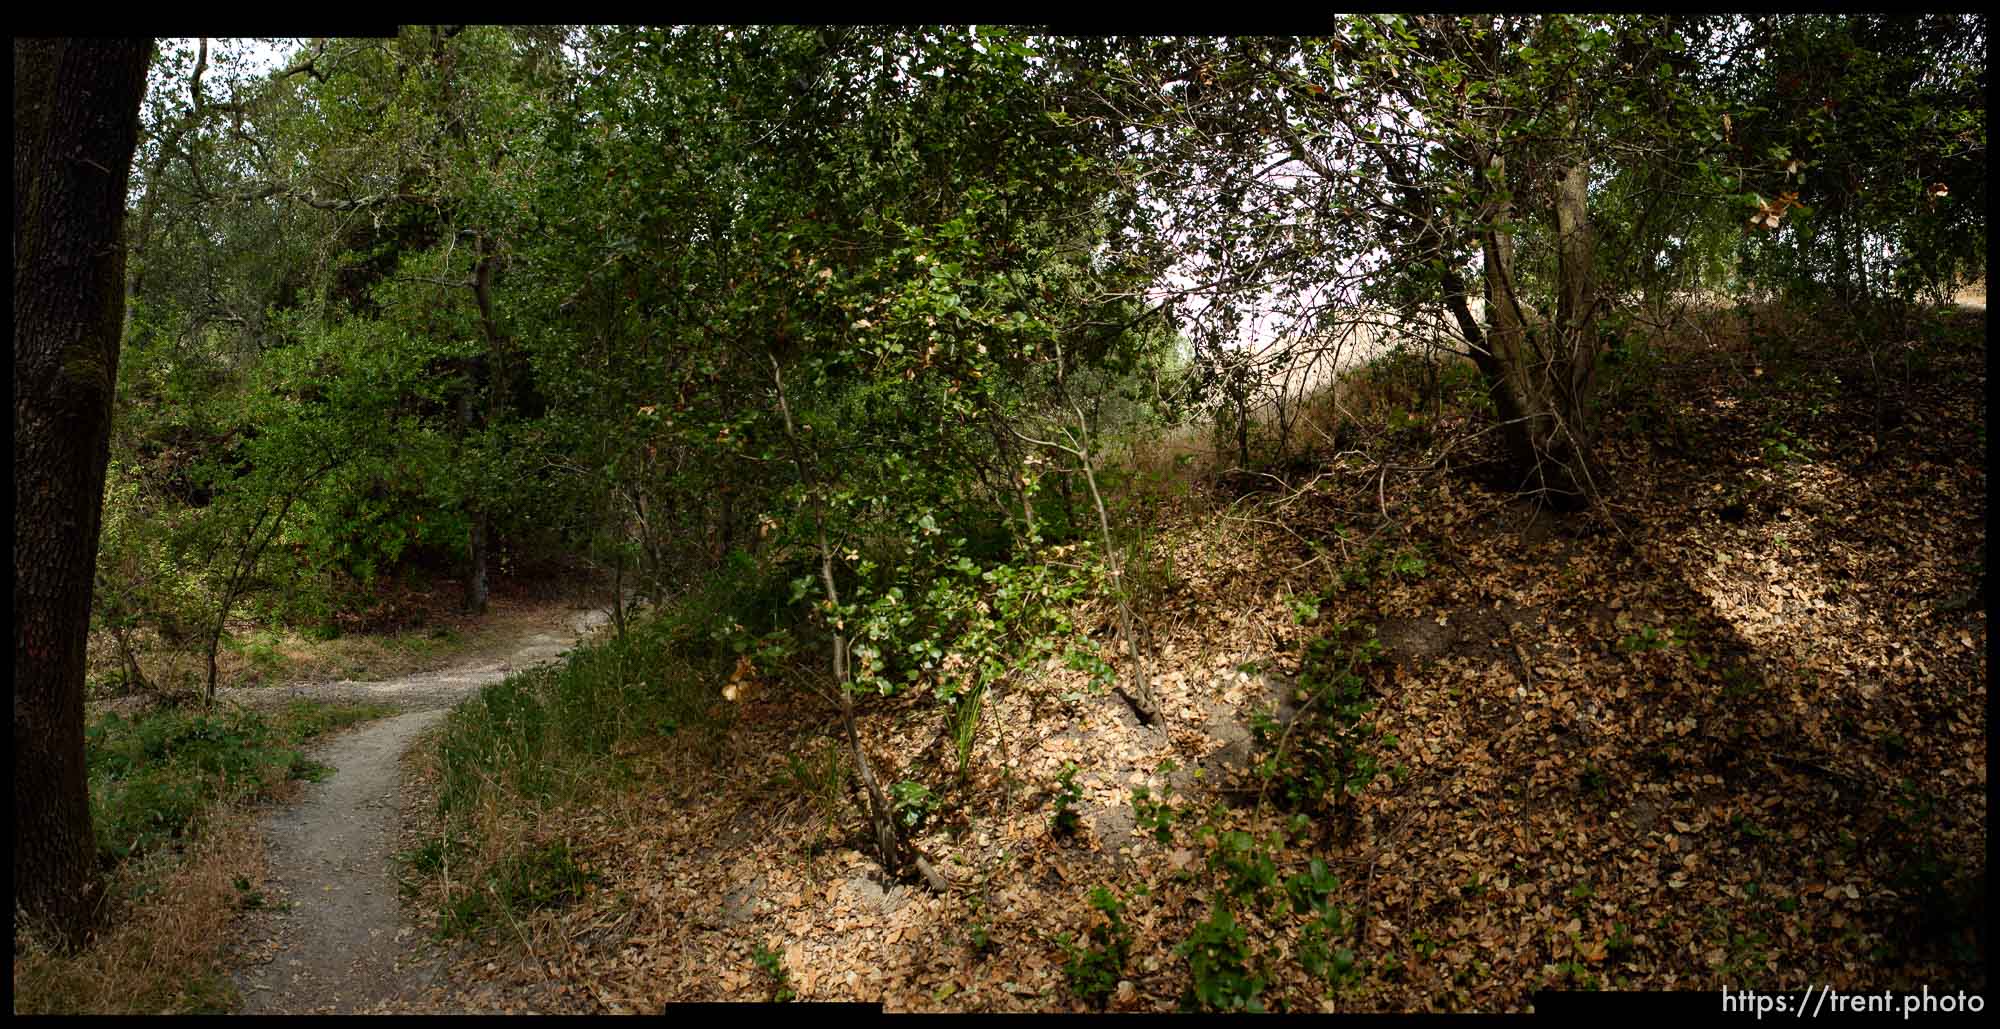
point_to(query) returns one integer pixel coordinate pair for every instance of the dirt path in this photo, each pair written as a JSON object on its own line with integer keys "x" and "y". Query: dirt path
{"x": 338, "y": 946}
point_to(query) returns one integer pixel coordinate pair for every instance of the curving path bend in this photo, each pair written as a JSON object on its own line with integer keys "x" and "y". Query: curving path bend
{"x": 339, "y": 945}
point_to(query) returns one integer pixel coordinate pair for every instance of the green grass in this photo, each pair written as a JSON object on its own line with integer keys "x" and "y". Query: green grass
{"x": 152, "y": 778}
{"x": 545, "y": 737}
{"x": 1093, "y": 965}
{"x": 167, "y": 801}
{"x": 773, "y": 965}
{"x": 532, "y": 878}
{"x": 537, "y": 736}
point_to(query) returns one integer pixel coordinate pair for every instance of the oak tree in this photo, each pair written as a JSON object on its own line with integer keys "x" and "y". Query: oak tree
{"x": 76, "y": 121}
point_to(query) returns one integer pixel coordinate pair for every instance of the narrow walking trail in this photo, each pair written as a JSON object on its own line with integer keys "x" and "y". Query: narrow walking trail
{"x": 338, "y": 945}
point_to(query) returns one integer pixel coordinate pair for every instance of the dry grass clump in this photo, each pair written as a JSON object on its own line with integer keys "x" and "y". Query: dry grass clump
{"x": 162, "y": 948}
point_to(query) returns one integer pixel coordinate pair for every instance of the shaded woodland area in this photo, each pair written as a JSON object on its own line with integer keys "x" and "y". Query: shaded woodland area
{"x": 1396, "y": 519}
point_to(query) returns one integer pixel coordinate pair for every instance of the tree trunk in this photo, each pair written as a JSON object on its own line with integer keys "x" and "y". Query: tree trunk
{"x": 263, "y": 532}
{"x": 1027, "y": 503}
{"x": 1144, "y": 705}
{"x": 1843, "y": 255}
{"x": 1540, "y": 372}
{"x": 76, "y": 122}
{"x": 618, "y": 596}
{"x": 1538, "y": 375}
{"x": 477, "y": 586}
{"x": 1572, "y": 375}
{"x": 1022, "y": 524}
{"x": 140, "y": 241}
{"x": 135, "y": 676}
{"x": 477, "y": 590}
{"x": 725, "y": 522}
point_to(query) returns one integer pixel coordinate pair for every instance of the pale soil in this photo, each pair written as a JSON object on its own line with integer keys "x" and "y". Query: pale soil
{"x": 338, "y": 945}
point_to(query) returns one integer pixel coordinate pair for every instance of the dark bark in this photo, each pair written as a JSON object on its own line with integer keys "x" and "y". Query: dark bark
{"x": 141, "y": 239}
{"x": 1009, "y": 471}
{"x": 476, "y": 581}
{"x": 1843, "y": 257}
{"x": 725, "y": 523}
{"x": 478, "y": 584}
{"x": 1242, "y": 429}
{"x": 1538, "y": 371}
{"x": 1144, "y": 704}
{"x": 76, "y": 123}
{"x": 486, "y": 249}
{"x": 618, "y": 595}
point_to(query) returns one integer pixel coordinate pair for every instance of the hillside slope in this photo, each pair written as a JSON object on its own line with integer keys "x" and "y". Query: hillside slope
{"x": 1731, "y": 730}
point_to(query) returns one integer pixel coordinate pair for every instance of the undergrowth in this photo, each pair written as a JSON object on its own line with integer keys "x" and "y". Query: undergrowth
{"x": 1332, "y": 750}
{"x": 540, "y": 736}
{"x": 545, "y": 737}
{"x": 154, "y": 777}
{"x": 1092, "y": 965}
{"x": 169, "y": 795}
{"x": 1252, "y": 899}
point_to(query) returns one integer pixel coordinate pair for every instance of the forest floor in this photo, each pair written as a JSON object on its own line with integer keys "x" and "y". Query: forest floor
{"x": 1727, "y": 729}
{"x": 335, "y": 941}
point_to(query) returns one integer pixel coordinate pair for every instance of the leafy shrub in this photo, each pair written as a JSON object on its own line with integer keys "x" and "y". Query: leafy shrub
{"x": 966, "y": 626}
{"x": 261, "y": 650}
{"x": 1309, "y": 891}
{"x": 1219, "y": 965}
{"x": 1246, "y": 868}
{"x": 978, "y": 929}
{"x": 1647, "y": 638}
{"x": 1065, "y": 819}
{"x": 1320, "y": 951}
{"x": 1322, "y": 957}
{"x": 1331, "y": 750}
{"x": 1378, "y": 563}
{"x": 773, "y": 964}
{"x": 1093, "y": 970}
{"x": 913, "y": 803}
{"x": 1156, "y": 816}
{"x": 1085, "y": 658}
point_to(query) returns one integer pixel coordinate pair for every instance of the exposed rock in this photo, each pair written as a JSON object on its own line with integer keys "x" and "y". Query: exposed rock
{"x": 1113, "y": 824}
{"x": 1230, "y": 727}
